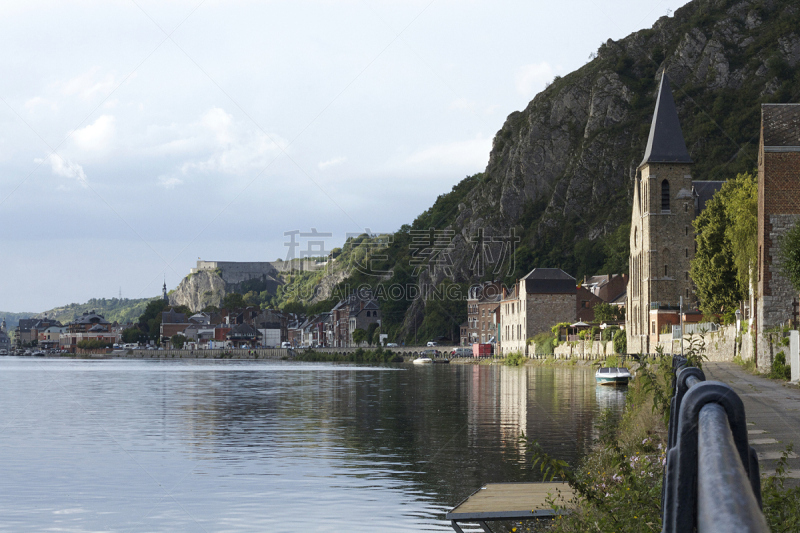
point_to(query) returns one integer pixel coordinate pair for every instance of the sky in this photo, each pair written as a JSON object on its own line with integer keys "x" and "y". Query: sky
{"x": 137, "y": 136}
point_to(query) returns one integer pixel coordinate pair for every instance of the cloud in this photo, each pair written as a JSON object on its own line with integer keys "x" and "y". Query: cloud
{"x": 324, "y": 165}
{"x": 96, "y": 136}
{"x": 38, "y": 101}
{"x": 169, "y": 182}
{"x": 87, "y": 85}
{"x": 66, "y": 169}
{"x": 530, "y": 79}
{"x": 471, "y": 153}
{"x": 217, "y": 142}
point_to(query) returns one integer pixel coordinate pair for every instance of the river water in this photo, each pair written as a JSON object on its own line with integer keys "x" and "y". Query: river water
{"x": 125, "y": 445}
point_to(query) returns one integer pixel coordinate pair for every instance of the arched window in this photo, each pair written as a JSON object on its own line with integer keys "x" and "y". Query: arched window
{"x": 665, "y": 195}
{"x": 635, "y": 237}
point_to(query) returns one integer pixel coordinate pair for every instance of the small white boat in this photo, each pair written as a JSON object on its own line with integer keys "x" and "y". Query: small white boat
{"x": 611, "y": 375}
{"x": 424, "y": 360}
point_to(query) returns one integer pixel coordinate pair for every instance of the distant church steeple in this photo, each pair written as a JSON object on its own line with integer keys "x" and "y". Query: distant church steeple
{"x": 164, "y": 292}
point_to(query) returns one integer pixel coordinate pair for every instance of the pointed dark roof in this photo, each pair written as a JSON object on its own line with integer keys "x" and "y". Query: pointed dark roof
{"x": 665, "y": 143}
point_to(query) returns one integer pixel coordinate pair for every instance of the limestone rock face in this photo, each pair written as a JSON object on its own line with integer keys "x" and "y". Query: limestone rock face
{"x": 199, "y": 291}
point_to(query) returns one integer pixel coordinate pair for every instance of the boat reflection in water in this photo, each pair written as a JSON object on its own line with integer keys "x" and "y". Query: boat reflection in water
{"x": 611, "y": 397}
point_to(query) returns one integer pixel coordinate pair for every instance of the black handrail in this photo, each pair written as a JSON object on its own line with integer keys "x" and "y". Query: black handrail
{"x": 711, "y": 479}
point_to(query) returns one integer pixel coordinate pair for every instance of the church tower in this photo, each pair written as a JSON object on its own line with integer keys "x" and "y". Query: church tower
{"x": 662, "y": 236}
{"x": 164, "y": 294}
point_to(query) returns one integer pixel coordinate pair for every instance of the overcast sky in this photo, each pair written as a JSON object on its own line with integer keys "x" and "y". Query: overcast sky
{"x": 137, "y": 136}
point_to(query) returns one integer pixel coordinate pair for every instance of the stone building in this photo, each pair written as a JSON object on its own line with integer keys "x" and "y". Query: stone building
{"x": 665, "y": 201}
{"x": 538, "y": 301}
{"x": 778, "y": 211}
{"x": 483, "y": 302}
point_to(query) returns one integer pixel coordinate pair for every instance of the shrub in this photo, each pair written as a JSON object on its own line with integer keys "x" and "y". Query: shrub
{"x": 514, "y": 359}
{"x": 620, "y": 343}
{"x": 780, "y": 370}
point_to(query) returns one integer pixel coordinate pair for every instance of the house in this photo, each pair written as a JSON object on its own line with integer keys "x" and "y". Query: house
{"x": 242, "y": 336}
{"x": 50, "y": 338}
{"x": 778, "y": 211}
{"x": 483, "y": 302}
{"x": 585, "y": 300}
{"x": 172, "y": 323}
{"x": 87, "y": 321}
{"x": 357, "y": 311}
{"x": 538, "y": 301}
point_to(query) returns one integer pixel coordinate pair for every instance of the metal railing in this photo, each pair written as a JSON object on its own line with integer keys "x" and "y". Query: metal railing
{"x": 711, "y": 480}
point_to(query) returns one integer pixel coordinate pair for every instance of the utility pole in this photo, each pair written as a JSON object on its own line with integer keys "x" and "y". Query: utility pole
{"x": 681, "y": 313}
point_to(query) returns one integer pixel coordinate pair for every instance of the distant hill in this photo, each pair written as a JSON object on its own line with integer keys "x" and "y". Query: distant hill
{"x": 120, "y": 310}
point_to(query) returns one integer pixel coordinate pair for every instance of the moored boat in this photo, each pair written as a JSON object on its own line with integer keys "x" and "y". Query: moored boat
{"x": 424, "y": 360}
{"x": 612, "y": 375}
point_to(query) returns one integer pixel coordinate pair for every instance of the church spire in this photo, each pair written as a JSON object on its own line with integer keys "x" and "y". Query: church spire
{"x": 665, "y": 143}
{"x": 164, "y": 292}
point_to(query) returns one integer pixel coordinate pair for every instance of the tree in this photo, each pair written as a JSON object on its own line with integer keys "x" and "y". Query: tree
{"x": 605, "y": 312}
{"x": 726, "y": 237}
{"x": 177, "y": 341}
{"x": 742, "y": 211}
{"x": 372, "y": 338}
{"x": 789, "y": 255}
{"x": 233, "y": 300}
{"x": 359, "y": 336}
{"x": 131, "y": 335}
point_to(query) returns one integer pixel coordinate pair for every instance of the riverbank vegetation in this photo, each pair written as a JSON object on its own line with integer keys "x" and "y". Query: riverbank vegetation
{"x": 378, "y": 355}
{"x": 618, "y": 485}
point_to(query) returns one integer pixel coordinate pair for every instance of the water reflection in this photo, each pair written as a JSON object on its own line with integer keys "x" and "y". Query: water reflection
{"x": 142, "y": 446}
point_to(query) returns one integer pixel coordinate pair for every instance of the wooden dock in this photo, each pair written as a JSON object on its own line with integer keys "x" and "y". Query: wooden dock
{"x": 511, "y": 501}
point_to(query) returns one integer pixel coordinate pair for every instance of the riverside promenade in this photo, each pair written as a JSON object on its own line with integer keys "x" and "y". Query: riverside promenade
{"x": 773, "y": 414}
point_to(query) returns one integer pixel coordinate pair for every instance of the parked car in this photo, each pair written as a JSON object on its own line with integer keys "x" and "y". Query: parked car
{"x": 462, "y": 352}
{"x": 433, "y": 343}
{"x": 286, "y": 345}
{"x": 391, "y": 345}
{"x": 429, "y": 353}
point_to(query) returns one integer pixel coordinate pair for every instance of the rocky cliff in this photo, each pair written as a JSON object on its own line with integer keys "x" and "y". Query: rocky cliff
{"x": 561, "y": 172}
{"x": 208, "y": 287}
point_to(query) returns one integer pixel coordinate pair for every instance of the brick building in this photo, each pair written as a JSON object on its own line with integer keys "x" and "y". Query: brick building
{"x": 778, "y": 211}
{"x": 483, "y": 303}
{"x": 665, "y": 201}
{"x": 538, "y": 301}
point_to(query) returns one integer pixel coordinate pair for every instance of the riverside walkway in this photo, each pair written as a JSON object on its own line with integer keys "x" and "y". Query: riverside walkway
{"x": 773, "y": 415}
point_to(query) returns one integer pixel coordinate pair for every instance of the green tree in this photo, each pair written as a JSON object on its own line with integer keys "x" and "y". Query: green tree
{"x": 359, "y": 336}
{"x": 177, "y": 341}
{"x": 605, "y": 312}
{"x": 726, "y": 246}
{"x": 131, "y": 335}
{"x": 742, "y": 231}
{"x": 233, "y": 300}
{"x": 789, "y": 255}
{"x": 372, "y": 337}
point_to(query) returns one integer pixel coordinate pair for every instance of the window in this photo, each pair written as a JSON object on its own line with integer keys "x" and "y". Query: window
{"x": 686, "y": 252}
{"x": 665, "y": 195}
{"x": 665, "y": 271}
{"x": 685, "y": 208}
{"x": 687, "y": 294}
{"x": 687, "y": 276}
{"x": 686, "y": 230}
{"x": 654, "y": 327}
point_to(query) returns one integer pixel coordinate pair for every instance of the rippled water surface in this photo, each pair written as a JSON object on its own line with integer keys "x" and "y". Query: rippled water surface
{"x": 123, "y": 445}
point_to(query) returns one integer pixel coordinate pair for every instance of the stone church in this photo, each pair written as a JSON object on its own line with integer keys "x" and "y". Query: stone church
{"x": 662, "y": 241}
